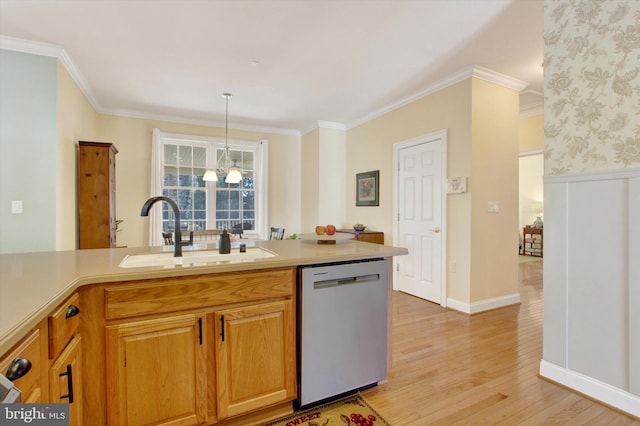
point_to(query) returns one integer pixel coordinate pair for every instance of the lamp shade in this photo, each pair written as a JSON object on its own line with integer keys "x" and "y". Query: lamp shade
{"x": 234, "y": 176}
{"x": 210, "y": 176}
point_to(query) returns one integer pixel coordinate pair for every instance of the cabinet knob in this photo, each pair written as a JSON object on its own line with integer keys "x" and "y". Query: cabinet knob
{"x": 18, "y": 368}
{"x": 72, "y": 311}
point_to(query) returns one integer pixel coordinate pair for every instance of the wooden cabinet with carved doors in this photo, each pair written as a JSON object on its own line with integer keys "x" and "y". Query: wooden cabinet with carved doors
{"x": 255, "y": 356}
{"x": 96, "y": 194}
{"x": 65, "y": 381}
{"x": 65, "y": 372}
{"x": 31, "y": 349}
{"x": 164, "y": 363}
{"x": 156, "y": 371}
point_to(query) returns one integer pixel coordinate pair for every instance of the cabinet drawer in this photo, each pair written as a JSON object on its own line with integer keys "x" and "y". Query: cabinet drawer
{"x": 63, "y": 325}
{"x": 29, "y": 384}
{"x": 193, "y": 292}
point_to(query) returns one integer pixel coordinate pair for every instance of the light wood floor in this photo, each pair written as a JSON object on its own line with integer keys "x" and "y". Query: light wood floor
{"x": 451, "y": 368}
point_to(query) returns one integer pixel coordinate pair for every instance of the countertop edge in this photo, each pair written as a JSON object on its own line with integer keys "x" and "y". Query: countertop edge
{"x": 111, "y": 274}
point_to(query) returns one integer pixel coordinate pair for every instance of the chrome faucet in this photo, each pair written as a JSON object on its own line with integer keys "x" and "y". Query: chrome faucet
{"x": 177, "y": 242}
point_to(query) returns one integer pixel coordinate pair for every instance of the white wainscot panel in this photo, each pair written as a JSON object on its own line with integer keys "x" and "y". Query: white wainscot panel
{"x": 597, "y": 283}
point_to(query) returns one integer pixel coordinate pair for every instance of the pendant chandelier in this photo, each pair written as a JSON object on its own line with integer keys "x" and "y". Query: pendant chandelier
{"x": 223, "y": 164}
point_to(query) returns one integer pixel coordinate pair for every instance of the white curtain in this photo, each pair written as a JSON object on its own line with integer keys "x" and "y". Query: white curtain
{"x": 155, "y": 214}
{"x": 262, "y": 188}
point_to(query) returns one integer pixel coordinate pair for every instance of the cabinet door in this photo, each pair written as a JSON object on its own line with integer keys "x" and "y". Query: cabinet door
{"x": 156, "y": 371}
{"x": 65, "y": 381}
{"x": 31, "y": 384}
{"x": 255, "y": 357}
{"x": 96, "y": 194}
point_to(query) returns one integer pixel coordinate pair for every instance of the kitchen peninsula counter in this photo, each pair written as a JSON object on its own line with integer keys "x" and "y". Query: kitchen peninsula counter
{"x": 32, "y": 284}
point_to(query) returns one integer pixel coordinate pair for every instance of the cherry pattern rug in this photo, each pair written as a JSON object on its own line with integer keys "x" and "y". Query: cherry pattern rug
{"x": 353, "y": 410}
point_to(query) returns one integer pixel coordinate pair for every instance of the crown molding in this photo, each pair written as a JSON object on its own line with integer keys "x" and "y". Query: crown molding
{"x": 455, "y": 78}
{"x": 45, "y": 49}
{"x": 27, "y": 46}
{"x": 531, "y": 151}
{"x": 204, "y": 123}
{"x": 331, "y": 125}
{"x": 531, "y": 110}
{"x": 498, "y": 78}
{"x": 54, "y": 51}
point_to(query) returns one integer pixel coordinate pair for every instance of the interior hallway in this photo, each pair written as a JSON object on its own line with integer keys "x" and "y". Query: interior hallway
{"x": 451, "y": 368}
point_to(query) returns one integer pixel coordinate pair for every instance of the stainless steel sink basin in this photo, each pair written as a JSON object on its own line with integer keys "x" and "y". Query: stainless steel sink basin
{"x": 195, "y": 258}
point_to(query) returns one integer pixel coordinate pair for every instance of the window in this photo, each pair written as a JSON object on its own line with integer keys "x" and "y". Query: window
{"x": 211, "y": 205}
{"x": 235, "y": 204}
{"x": 184, "y": 166}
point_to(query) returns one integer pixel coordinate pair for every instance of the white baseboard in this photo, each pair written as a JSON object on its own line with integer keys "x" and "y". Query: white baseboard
{"x": 483, "y": 305}
{"x": 591, "y": 387}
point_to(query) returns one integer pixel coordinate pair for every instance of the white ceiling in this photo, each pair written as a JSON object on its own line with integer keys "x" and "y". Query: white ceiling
{"x": 288, "y": 63}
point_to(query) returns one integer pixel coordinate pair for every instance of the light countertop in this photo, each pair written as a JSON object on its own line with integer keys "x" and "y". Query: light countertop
{"x": 33, "y": 284}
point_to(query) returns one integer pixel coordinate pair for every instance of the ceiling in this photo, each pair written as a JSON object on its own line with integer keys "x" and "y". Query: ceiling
{"x": 289, "y": 64}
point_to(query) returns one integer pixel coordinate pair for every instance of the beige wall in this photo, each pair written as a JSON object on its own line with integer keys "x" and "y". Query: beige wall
{"x": 310, "y": 179}
{"x": 461, "y": 109}
{"x": 494, "y": 176}
{"x": 76, "y": 120}
{"x": 482, "y": 123}
{"x": 332, "y": 161}
{"x": 132, "y": 137}
{"x": 370, "y": 147}
{"x": 532, "y": 133}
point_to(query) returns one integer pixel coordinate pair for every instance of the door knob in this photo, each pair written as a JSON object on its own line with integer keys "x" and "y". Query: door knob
{"x": 436, "y": 230}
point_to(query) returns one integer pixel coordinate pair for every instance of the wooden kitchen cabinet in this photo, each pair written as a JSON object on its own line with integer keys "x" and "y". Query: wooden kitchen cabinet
{"x": 151, "y": 351}
{"x": 33, "y": 385}
{"x": 65, "y": 381}
{"x": 64, "y": 348}
{"x": 255, "y": 356}
{"x": 96, "y": 194}
{"x": 156, "y": 371}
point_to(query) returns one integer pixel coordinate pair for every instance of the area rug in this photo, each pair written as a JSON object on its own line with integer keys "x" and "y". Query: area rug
{"x": 353, "y": 410}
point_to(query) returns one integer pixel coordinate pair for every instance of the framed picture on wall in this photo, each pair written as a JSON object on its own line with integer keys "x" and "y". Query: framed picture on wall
{"x": 367, "y": 188}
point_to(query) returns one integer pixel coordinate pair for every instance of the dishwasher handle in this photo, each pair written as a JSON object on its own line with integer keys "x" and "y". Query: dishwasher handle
{"x": 344, "y": 281}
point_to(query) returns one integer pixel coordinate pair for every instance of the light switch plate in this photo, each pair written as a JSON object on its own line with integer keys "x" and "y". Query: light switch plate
{"x": 16, "y": 206}
{"x": 493, "y": 206}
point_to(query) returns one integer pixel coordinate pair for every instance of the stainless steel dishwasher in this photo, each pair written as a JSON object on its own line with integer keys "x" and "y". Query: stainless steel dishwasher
{"x": 342, "y": 329}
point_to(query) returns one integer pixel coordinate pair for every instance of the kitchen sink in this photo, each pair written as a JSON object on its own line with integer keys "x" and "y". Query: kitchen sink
{"x": 195, "y": 258}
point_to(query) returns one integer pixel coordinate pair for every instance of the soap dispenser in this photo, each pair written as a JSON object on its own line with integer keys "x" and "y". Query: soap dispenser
{"x": 224, "y": 245}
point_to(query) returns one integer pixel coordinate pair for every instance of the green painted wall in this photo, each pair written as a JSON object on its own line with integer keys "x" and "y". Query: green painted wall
{"x": 27, "y": 151}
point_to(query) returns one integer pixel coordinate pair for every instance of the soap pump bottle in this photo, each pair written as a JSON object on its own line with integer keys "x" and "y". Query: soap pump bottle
{"x": 224, "y": 245}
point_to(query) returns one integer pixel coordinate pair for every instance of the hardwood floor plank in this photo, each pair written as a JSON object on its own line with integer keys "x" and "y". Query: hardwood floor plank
{"x": 450, "y": 368}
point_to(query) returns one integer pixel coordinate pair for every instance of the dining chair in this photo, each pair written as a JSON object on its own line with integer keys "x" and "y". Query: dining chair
{"x": 276, "y": 234}
{"x": 206, "y": 234}
{"x": 168, "y": 238}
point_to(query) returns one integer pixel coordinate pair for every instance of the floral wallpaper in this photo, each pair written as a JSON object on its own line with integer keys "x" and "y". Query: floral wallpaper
{"x": 591, "y": 85}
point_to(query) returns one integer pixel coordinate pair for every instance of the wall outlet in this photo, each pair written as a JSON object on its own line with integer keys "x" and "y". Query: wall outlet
{"x": 493, "y": 206}
{"x": 16, "y": 206}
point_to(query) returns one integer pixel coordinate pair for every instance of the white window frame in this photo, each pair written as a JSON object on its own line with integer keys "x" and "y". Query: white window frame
{"x": 260, "y": 151}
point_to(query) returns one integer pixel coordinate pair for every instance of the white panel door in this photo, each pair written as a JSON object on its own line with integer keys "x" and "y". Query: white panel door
{"x": 420, "y": 220}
